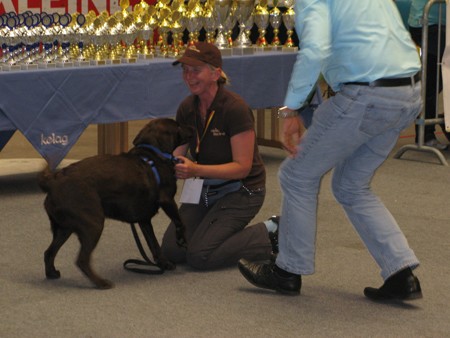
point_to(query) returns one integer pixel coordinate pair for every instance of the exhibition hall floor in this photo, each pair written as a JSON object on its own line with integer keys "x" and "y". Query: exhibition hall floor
{"x": 187, "y": 303}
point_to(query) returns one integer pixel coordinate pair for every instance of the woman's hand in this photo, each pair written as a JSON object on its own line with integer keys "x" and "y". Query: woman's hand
{"x": 185, "y": 169}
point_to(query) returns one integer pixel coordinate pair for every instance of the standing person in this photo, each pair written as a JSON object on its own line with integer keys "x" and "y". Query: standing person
{"x": 436, "y": 46}
{"x": 224, "y": 161}
{"x": 367, "y": 56}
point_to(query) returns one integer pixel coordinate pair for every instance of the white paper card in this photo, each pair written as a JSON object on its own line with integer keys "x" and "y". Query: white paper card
{"x": 192, "y": 189}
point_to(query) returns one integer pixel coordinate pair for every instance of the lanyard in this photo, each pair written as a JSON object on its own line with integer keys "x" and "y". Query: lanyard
{"x": 200, "y": 139}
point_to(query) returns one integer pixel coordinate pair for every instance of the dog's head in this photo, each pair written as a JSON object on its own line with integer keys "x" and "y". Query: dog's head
{"x": 165, "y": 134}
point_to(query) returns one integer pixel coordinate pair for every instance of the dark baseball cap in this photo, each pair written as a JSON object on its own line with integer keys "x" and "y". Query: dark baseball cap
{"x": 200, "y": 53}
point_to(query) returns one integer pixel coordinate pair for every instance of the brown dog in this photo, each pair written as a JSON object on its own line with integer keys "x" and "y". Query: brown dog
{"x": 129, "y": 187}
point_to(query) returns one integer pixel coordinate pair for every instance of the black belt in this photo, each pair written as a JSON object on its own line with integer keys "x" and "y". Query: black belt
{"x": 220, "y": 185}
{"x": 404, "y": 81}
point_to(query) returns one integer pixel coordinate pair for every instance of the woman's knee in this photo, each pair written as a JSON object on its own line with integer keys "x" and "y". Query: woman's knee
{"x": 198, "y": 260}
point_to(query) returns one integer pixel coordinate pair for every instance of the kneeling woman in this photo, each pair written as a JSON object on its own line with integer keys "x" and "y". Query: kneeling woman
{"x": 224, "y": 168}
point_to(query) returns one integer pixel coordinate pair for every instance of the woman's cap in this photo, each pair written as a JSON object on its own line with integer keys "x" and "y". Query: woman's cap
{"x": 200, "y": 53}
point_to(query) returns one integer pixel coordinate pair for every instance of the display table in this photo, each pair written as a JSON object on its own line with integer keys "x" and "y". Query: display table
{"x": 52, "y": 107}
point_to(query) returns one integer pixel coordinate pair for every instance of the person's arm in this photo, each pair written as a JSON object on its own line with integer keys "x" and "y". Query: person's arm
{"x": 313, "y": 29}
{"x": 242, "y": 146}
{"x": 312, "y": 25}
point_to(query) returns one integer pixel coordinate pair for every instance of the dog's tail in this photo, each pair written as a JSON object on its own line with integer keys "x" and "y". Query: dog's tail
{"x": 45, "y": 178}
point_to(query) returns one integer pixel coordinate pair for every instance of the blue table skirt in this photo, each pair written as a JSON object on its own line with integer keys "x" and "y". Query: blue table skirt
{"x": 52, "y": 107}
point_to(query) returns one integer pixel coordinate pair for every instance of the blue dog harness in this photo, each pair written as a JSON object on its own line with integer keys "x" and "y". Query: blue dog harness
{"x": 152, "y": 164}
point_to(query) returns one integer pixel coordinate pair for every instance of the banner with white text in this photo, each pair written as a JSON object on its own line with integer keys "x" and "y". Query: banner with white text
{"x": 63, "y": 6}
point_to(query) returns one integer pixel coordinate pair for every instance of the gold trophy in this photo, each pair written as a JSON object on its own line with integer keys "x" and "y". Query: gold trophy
{"x": 221, "y": 11}
{"x": 145, "y": 31}
{"x": 178, "y": 26}
{"x": 275, "y": 20}
{"x": 163, "y": 13}
{"x": 80, "y": 33}
{"x": 177, "y": 34}
{"x": 209, "y": 21}
{"x": 131, "y": 32}
{"x": 193, "y": 20}
{"x": 164, "y": 29}
{"x": 113, "y": 40}
{"x": 229, "y": 24}
{"x": 261, "y": 18}
{"x": 289, "y": 23}
{"x": 97, "y": 38}
{"x": 243, "y": 44}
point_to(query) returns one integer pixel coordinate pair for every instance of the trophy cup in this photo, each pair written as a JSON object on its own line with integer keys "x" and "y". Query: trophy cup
{"x": 193, "y": 19}
{"x": 164, "y": 29}
{"x": 146, "y": 34}
{"x": 65, "y": 37}
{"x": 177, "y": 34}
{"x": 80, "y": 34}
{"x": 221, "y": 11}
{"x": 128, "y": 37}
{"x": 261, "y": 18}
{"x": 47, "y": 40}
{"x": 12, "y": 44}
{"x": 243, "y": 44}
{"x": 275, "y": 19}
{"x": 112, "y": 39}
{"x": 179, "y": 24}
{"x": 289, "y": 23}
{"x": 209, "y": 22}
{"x": 97, "y": 38}
{"x": 29, "y": 39}
{"x": 230, "y": 23}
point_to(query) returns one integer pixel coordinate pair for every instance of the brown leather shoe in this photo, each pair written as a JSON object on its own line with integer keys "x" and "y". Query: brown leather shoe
{"x": 264, "y": 276}
{"x": 403, "y": 285}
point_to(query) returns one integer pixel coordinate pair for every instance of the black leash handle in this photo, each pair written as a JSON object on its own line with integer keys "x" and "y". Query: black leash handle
{"x": 150, "y": 270}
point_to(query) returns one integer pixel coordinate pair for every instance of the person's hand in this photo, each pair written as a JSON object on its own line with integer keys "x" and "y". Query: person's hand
{"x": 185, "y": 168}
{"x": 292, "y": 131}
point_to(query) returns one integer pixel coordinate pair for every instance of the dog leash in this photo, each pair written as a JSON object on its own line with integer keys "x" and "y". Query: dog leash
{"x": 147, "y": 261}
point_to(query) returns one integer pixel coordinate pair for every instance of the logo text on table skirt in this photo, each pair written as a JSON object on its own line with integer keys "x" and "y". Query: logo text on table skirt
{"x": 54, "y": 139}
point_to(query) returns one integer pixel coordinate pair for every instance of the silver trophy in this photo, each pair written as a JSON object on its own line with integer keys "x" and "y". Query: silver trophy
{"x": 48, "y": 39}
{"x": 222, "y": 10}
{"x": 209, "y": 22}
{"x": 65, "y": 38}
{"x": 243, "y": 44}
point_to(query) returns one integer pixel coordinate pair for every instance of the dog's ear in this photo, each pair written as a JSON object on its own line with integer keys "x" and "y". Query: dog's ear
{"x": 148, "y": 134}
{"x": 162, "y": 133}
{"x": 186, "y": 133}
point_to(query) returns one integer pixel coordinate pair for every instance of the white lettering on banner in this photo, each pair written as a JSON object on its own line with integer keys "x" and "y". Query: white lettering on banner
{"x": 60, "y": 6}
{"x": 7, "y": 5}
{"x": 54, "y": 139}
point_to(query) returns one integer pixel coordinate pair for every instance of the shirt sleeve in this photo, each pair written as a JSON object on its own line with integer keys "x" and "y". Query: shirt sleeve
{"x": 313, "y": 29}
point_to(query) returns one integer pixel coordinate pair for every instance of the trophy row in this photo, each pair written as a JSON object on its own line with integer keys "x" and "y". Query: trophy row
{"x": 30, "y": 41}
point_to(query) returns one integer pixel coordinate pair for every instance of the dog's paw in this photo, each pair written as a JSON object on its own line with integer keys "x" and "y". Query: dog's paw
{"x": 164, "y": 264}
{"x": 104, "y": 284}
{"x": 55, "y": 274}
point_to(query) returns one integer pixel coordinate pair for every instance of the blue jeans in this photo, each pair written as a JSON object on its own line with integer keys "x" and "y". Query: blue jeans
{"x": 352, "y": 132}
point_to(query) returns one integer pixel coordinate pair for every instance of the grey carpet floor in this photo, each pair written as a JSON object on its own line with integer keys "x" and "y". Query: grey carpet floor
{"x": 187, "y": 303}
